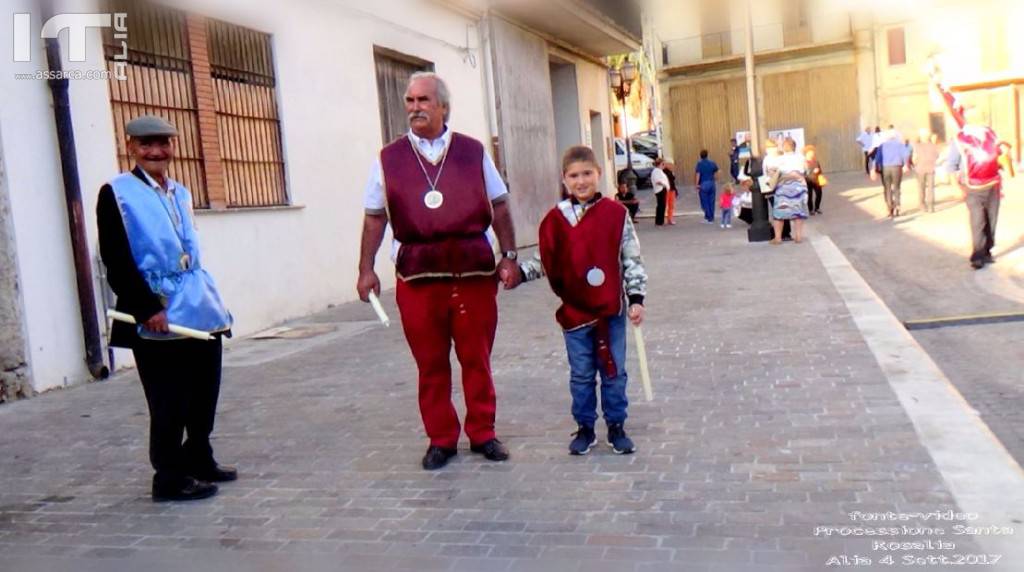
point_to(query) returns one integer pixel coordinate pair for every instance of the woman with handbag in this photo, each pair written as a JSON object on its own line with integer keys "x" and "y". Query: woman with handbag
{"x": 816, "y": 180}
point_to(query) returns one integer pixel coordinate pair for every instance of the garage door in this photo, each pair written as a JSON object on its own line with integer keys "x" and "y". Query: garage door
{"x": 824, "y": 103}
{"x": 706, "y": 116}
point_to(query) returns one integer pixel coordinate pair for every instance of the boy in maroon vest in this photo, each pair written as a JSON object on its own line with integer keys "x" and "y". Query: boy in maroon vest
{"x": 590, "y": 254}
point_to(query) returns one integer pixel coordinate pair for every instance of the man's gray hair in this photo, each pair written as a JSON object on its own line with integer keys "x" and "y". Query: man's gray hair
{"x": 443, "y": 95}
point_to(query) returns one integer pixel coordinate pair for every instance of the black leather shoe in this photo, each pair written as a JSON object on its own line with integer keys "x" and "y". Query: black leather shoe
{"x": 190, "y": 489}
{"x": 217, "y": 474}
{"x": 437, "y": 457}
{"x": 492, "y": 450}
{"x": 989, "y": 259}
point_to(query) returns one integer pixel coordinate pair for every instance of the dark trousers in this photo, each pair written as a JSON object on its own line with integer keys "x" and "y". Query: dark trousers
{"x": 983, "y": 207}
{"x": 926, "y": 184}
{"x": 813, "y": 196}
{"x": 659, "y": 211}
{"x": 867, "y": 163}
{"x": 892, "y": 181}
{"x": 707, "y": 201}
{"x": 181, "y": 379}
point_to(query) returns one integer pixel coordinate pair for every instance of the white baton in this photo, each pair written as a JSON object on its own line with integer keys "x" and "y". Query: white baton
{"x": 180, "y": 330}
{"x": 375, "y": 302}
{"x": 641, "y": 354}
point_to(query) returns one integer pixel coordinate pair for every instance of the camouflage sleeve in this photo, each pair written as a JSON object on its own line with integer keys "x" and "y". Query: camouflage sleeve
{"x": 633, "y": 272}
{"x": 532, "y": 268}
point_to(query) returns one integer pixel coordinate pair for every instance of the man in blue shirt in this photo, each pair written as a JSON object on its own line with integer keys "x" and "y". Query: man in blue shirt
{"x": 891, "y": 160}
{"x": 706, "y": 170}
{"x": 734, "y": 161}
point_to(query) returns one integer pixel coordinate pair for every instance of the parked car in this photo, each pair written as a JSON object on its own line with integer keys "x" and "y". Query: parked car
{"x": 647, "y": 147}
{"x": 642, "y": 164}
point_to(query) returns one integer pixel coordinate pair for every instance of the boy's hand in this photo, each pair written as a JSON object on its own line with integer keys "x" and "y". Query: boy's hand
{"x": 636, "y": 314}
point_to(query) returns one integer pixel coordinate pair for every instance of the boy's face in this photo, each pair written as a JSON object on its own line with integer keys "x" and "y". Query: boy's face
{"x": 623, "y": 189}
{"x": 582, "y": 179}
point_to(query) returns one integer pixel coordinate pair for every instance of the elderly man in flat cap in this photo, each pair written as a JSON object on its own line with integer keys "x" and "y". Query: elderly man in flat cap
{"x": 150, "y": 247}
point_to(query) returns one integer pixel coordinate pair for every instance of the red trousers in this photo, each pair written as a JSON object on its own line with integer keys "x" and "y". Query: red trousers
{"x": 436, "y": 312}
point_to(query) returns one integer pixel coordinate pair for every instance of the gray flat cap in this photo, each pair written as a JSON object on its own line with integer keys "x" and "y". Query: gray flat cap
{"x": 150, "y": 126}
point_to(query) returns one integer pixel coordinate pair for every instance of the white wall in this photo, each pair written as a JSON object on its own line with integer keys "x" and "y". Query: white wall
{"x": 56, "y": 348}
{"x": 271, "y": 265}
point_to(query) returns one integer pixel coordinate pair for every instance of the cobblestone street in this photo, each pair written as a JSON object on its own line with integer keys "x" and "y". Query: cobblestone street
{"x": 772, "y": 419}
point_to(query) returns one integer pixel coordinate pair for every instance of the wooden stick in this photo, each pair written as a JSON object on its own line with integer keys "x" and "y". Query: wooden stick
{"x": 180, "y": 330}
{"x": 375, "y": 302}
{"x": 645, "y": 373}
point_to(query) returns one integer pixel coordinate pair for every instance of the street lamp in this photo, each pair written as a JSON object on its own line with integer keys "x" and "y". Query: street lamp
{"x": 760, "y": 230}
{"x": 621, "y": 81}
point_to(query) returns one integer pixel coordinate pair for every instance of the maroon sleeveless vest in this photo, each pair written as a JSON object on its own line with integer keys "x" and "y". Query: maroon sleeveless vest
{"x": 568, "y": 253}
{"x": 447, "y": 241}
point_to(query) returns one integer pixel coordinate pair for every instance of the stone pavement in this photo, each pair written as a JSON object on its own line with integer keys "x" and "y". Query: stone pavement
{"x": 771, "y": 419}
{"x": 918, "y": 265}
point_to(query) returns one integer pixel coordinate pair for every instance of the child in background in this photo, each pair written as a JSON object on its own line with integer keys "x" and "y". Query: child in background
{"x": 625, "y": 197}
{"x": 591, "y": 256}
{"x": 725, "y": 203}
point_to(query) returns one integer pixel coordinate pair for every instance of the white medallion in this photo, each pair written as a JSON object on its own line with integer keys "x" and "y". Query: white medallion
{"x": 434, "y": 199}
{"x": 595, "y": 277}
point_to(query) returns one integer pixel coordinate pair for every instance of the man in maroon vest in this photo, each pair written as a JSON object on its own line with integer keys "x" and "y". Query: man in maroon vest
{"x": 441, "y": 191}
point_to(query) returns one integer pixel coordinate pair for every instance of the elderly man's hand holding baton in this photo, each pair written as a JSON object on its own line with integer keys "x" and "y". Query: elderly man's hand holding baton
{"x": 158, "y": 324}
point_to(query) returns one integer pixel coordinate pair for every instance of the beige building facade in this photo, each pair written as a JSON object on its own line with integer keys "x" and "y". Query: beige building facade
{"x": 283, "y": 108}
{"x": 830, "y": 70}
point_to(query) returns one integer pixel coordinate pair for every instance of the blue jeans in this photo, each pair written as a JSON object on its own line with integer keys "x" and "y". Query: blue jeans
{"x": 707, "y": 200}
{"x": 584, "y": 366}
{"x": 727, "y": 215}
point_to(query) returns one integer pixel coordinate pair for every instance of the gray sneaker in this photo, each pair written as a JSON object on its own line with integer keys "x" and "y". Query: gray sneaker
{"x": 583, "y": 442}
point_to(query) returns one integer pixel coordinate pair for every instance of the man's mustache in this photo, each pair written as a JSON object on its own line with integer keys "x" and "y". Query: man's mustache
{"x": 418, "y": 115}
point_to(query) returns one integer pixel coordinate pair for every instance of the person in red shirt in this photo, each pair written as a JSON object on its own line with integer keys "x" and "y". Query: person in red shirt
{"x": 725, "y": 203}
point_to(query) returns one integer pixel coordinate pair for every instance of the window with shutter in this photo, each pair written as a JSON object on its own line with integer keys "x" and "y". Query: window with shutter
{"x": 393, "y": 72}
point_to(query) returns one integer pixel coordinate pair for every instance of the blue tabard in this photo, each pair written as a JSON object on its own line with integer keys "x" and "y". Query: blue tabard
{"x": 167, "y": 255}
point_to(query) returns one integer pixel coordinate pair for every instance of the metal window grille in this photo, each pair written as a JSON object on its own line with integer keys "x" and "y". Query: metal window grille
{"x": 159, "y": 82}
{"x": 249, "y": 127}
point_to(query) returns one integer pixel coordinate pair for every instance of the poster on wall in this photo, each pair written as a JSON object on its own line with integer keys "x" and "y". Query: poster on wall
{"x": 779, "y": 135}
{"x": 743, "y": 142}
{"x": 796, "y": 134}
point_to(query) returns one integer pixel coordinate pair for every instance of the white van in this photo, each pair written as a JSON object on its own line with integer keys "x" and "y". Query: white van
{"x": 642, "y": 164}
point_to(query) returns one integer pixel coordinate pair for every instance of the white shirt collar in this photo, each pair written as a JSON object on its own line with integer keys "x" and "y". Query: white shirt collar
{"x": 432, "y": 149}
{"x": 152, "y": 182}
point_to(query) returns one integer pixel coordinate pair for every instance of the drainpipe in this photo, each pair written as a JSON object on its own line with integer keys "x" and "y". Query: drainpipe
{"x": 76, "y": 216}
